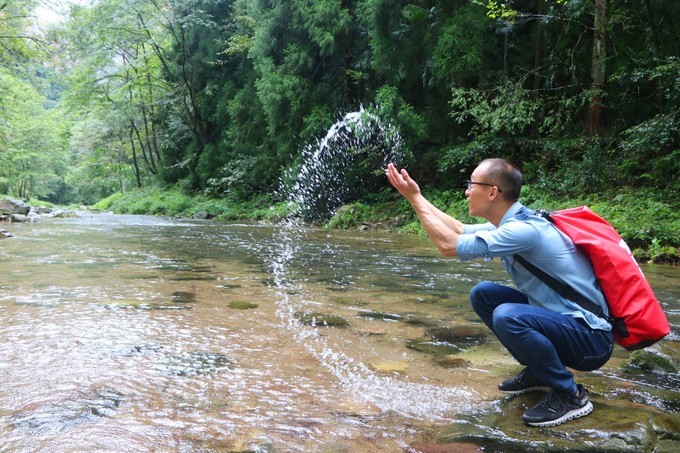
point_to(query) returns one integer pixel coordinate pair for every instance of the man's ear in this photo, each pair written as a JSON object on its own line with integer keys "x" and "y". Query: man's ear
{"x": 494, "y": 193}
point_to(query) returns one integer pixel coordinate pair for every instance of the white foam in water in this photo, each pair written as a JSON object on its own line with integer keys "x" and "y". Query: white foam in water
{"x": 327, "y": 174}
{"x": 318, "y": 189}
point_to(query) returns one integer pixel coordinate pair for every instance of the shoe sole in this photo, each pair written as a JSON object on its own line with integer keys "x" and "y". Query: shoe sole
{"x": 538, "y": 388}
{"x": 571, "y": 415}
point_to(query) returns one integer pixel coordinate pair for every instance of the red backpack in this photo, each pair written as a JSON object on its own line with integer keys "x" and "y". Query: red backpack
{"x": 635, "y": 313}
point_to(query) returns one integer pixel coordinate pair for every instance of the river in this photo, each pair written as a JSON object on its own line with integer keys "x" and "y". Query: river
{"x": 138, "y": 333}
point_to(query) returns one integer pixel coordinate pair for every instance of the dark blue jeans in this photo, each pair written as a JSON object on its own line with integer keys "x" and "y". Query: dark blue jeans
{"x": 544, "y": 341}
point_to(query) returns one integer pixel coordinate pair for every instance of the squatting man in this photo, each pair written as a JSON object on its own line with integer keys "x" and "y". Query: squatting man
{"x": 541, "y": 329}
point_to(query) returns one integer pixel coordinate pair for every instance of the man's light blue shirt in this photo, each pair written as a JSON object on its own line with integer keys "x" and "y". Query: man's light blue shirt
{"x": 520, "y": 232}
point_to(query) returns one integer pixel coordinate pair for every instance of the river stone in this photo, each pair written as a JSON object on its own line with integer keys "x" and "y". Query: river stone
{"x": 5, "y": 234}
{"x": 242, "y": 305}
{"x": 379, "y": 315}
{"x": 452, "y": 361}
{"x": 198, "y": 363}
{"x": 649, "y": 361}
{"x": 614, "y": 426}
{"x": 385, "y": 366}
{"x": 13, "y": 206}
{"x": 435, "y": 348}
{"x": 322, "y": 320}
{"x": 183, "y": 297}
{"x": 459, "y": 335}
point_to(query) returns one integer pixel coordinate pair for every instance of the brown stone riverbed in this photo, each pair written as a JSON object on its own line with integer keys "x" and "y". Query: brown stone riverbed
{"x": 132, "y": 333}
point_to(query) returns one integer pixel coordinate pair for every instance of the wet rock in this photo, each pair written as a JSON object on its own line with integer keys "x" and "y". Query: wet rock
{"x": 230, "y": 286}
{"x": 369, "y": 331}
{"x": 191, "y": 276}
{"x": 63, "y": 214}
{"x": 183, "y": 297}
{"x": 614, "y": 426}
{"x": 13, "y": 210}
{"x": 444, "y": 342}
{"x": 435, "y": 348}
{"x": 650, "y": 361}
{"x": 452, "y": 361}
{"x": 242, "y": 305}
{"x": 418, "y": 322}
{"x": 63, "y": 414}
{"x": 321, "y": 320}
{"x": 379, "y": 316}
{"x": 5, "y": 234}
{"x": 201, "y": 215}
{"x": 384, "y": 366}
{"x": 462, "y": 335}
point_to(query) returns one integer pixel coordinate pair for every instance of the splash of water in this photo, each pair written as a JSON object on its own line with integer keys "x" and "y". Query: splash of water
{"x": 329, "y": 173}
{"x": 348, "y": 159}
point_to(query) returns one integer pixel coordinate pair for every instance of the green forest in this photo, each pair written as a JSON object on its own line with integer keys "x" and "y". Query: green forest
{"x": 174, "y": 106}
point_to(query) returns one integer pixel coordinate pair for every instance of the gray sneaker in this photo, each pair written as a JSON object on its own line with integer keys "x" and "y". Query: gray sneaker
{"x": 522, "y": 383}
{"x": 557, "y": 408}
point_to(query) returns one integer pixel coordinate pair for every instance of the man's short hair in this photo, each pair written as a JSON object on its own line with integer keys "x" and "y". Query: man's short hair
{"x": 506, "y": 176}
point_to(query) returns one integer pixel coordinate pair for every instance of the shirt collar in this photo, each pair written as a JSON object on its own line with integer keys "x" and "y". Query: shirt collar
{"x": 510, "y": 213}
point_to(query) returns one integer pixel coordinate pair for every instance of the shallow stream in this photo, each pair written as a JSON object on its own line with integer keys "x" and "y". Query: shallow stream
{"x": 135, "y": 333}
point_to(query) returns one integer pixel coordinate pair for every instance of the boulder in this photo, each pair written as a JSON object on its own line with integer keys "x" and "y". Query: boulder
{"x": 10, "y": 206}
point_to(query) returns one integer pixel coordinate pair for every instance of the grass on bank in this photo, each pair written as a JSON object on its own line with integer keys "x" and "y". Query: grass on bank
{"x": 171, "y": 202}
{"x": 649, "y": 226}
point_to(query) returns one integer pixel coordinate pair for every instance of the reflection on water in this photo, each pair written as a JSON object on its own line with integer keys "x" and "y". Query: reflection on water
{"x": 140, "y": 333}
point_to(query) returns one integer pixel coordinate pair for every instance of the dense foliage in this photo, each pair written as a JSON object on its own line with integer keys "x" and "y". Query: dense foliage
{"x": 219, "y": 97}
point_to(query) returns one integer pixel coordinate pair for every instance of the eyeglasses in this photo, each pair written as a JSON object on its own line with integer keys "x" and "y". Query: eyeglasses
{"x": 469, "y": 185}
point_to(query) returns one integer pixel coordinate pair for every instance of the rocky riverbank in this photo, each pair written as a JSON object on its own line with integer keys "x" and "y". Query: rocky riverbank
{"x": 13, "y": 210}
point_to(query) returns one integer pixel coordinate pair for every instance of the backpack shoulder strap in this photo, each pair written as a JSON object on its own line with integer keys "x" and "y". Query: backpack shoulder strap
{"x": 559, "y": 287}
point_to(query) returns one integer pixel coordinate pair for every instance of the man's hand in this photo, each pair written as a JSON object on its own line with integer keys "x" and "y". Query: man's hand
{"x": 440, "y": 227}
{"x": 402, "y": 182}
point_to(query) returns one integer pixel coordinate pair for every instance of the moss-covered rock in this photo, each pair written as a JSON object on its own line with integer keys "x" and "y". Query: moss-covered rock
{"x": 321, "y": 320}
{"x": 242, "y": 305}
{"x": 614, "y": 426}
{"x": 649, "y": 361}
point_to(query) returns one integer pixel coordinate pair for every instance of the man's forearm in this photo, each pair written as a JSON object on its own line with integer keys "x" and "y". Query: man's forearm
{"x": 441, "y": 228}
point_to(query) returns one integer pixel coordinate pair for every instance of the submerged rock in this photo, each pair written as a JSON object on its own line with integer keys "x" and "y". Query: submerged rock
{"x": 183, "y": 297}
{"x": 459, "y": 335}
{"x": 385, "y": 366}
{"x": 198, "y": 363}
{"x": 452, "y": 361}
{"x": 242, "y": 305}
{"x": 379, "y": 316}
{"x": 436, "y": 348}
{"x": 322, "y": 320}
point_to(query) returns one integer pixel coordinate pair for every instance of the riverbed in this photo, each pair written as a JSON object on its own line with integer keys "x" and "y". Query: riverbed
{"x": 140, "y": 333}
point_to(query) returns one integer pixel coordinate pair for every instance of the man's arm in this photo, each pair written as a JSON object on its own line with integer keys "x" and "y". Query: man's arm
{"x": 442, "y": 229}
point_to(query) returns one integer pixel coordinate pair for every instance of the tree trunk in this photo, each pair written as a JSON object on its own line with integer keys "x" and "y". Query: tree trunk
{"x": 595, "y": 124}
{"x": 135, "y": 164}
{"x": 538, "y": 63}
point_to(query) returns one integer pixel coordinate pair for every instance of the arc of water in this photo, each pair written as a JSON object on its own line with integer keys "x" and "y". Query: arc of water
{"x": 387, "y": 393}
